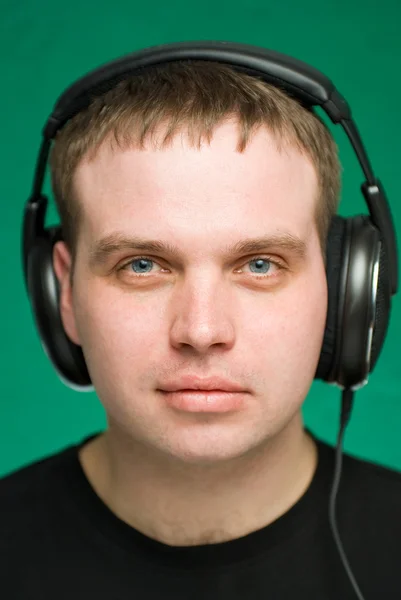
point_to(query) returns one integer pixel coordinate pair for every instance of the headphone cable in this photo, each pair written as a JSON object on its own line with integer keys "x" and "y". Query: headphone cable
{"x": 346, "y": 407}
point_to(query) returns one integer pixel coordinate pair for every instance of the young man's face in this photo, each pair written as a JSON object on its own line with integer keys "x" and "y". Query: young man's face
{"x": 202, "y": 311}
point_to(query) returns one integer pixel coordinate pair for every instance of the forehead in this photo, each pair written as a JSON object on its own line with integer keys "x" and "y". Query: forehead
{"x": 189, "y": 193}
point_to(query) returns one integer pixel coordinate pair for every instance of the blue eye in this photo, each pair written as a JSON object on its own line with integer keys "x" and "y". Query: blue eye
{"x": 259, "y": 265}
{"x": 141, "y": 262}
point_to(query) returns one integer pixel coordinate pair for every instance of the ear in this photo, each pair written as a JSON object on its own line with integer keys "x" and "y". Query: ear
{"x": 62, "y": 265}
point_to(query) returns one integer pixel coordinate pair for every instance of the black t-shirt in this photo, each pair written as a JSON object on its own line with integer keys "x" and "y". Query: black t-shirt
{"x": 59, "y": 541}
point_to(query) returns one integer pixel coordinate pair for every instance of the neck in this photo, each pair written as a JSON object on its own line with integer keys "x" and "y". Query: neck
{"x": 185, "y": 505}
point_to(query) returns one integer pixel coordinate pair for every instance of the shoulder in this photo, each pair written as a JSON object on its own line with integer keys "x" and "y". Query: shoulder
{"x": 30, "y": 477}
{"x": 28, "y": 494}
{"x": 369, "y": 493}
{"x": 361, "y": 472}
{"x": 22, "y": 487}
{"x": 37, "y": 474}
{"x": 366, "y": 473}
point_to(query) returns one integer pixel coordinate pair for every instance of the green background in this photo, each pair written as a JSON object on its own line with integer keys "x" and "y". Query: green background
{"x": 46, "y": 45}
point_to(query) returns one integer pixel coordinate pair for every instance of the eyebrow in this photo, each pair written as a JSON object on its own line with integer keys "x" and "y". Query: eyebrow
{"x": 104, "y": 248}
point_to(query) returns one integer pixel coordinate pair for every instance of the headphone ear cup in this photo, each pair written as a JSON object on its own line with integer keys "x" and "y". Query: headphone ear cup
{"x": 334, "y": 256}
{"x": 44, "y": 294}
{"x": 359, "y": 302}
{"x": 366, "y": 291}
{"x": 382, "y": 307}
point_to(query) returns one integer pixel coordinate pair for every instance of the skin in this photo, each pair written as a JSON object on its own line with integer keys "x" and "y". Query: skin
{"x": 182, "y": 478}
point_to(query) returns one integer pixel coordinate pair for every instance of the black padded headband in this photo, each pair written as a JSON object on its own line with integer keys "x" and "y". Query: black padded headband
{"x": 308, "y": 85}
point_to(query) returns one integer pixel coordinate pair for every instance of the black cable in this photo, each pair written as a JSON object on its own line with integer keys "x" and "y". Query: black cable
{"x": 346, "y": 407}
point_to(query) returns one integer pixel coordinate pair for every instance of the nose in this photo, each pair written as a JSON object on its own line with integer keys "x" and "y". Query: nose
{"x": 203, "y": 315}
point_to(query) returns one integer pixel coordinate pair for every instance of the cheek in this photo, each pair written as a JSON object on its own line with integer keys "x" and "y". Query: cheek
{"x": 291, "y": 330}
{"x": 117, "y": 330}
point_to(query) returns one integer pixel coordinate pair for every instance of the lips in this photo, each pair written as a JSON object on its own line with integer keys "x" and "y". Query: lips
{"x": 193, "y": 382}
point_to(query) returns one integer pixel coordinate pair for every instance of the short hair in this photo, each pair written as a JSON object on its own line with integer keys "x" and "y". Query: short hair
{"x": 195, "y": 96}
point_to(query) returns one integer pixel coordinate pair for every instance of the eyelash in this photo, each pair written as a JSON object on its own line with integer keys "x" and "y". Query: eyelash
{"x": 275, "y": 262}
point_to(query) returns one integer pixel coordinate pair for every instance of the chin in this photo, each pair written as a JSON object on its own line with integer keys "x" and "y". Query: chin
{"x": 210, "y": 444}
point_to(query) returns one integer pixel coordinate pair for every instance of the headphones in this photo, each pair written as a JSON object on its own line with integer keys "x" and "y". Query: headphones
{"x": 361, "y": 252}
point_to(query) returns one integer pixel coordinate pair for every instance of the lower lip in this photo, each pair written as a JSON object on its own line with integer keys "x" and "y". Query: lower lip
{"x": 198, "y": 401}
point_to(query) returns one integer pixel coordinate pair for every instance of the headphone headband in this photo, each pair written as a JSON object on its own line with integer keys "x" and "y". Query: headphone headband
{"x": 305, "y": 82}
{"x": 308, "y": 85}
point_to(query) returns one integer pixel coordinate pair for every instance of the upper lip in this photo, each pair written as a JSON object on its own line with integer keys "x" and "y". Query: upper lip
{"x": 193, "y": 382}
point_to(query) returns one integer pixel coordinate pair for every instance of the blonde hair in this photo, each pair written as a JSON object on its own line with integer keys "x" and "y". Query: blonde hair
{"x": 198, "y": 96}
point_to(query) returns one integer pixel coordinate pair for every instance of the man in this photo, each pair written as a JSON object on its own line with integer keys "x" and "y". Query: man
{"x": 195, "y": 203}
